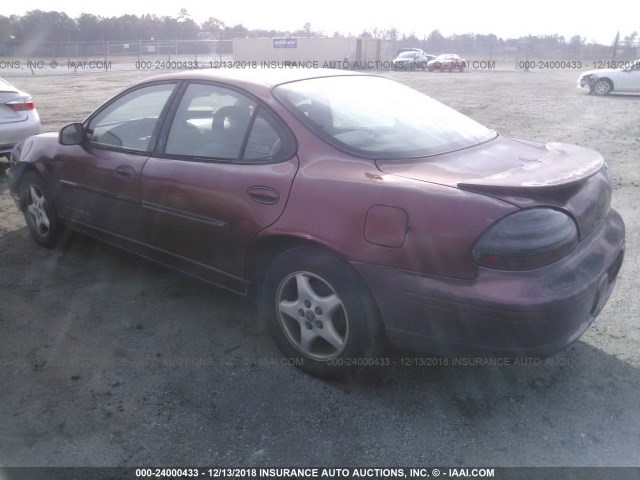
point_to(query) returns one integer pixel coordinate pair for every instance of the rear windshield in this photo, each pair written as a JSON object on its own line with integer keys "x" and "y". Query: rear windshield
{"x": 378, "y": 118}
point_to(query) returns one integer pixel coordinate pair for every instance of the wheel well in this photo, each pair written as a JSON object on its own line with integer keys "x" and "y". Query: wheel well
{"x": 606, "y": 79}
{"x": 21, "y": 170}
{"x": 263, "y": 253}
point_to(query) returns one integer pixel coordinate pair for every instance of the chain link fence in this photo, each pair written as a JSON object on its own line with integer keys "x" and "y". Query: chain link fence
{"x": 41, "y": 58}
{"x": 37, "y": 58}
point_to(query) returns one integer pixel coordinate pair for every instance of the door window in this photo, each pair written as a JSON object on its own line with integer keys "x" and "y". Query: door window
{"x": 218, "y": 123}
{"x": 129, "y": 122}
{"x": 267, "y": 141}
{"x": 210, "y": 122}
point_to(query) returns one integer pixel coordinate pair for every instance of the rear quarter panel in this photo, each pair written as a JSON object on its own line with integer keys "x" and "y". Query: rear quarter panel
{"x": 332, "y": 194}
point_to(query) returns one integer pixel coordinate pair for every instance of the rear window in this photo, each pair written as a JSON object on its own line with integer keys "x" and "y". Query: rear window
{"x": 378, "y": 118}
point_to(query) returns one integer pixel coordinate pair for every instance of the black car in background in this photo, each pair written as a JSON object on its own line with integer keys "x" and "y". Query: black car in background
{"x": 411, "y": 59}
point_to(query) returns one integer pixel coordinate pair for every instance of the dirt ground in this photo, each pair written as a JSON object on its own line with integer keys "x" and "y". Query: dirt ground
{"x": 107, "y": 360}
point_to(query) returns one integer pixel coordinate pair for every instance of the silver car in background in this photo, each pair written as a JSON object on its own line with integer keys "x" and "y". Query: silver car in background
{"x": 18, "y": 116}
{"x": 411, "y": 59}
{"x": 624, "y": 79}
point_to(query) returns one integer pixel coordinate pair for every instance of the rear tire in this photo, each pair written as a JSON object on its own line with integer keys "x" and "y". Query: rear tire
{"x": 39, "y": 212}
{"x": 320, "y": 313}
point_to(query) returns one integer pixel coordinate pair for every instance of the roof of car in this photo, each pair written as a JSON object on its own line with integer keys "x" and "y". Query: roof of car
{"x": 254, "y": 76}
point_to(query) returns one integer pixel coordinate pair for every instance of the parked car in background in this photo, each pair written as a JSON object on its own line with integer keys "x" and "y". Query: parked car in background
{"x": 625, "y": 79}
{"x": 447, "y": 62}
{"x": 18, "y": 116}
{"x": 357, "y": 209}
{"x": 413, "y": 59}
{"x": 400, "y": 50}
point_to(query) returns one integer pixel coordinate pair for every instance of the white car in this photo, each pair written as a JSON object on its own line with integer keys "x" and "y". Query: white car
{"x": 607, "y": 80}
{"x": 18, "y": 117}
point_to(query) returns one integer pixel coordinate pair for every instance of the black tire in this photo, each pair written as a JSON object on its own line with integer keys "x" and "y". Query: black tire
{"x": 603, "y": 86}
{"x": 320, "y": 313}
{"x": 39, "y": 211}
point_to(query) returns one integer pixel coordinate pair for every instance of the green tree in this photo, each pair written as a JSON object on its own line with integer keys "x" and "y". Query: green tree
{"x": 436, "y": 41}
{"x": 89, "y": 28}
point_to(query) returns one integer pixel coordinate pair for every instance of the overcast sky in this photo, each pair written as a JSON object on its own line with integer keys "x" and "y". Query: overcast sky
{"x": 595, "y": 21}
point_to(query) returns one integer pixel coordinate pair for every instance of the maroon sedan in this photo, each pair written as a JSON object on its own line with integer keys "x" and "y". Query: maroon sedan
{"x": 447, "y": 62}
{"x": 357, "y": 209}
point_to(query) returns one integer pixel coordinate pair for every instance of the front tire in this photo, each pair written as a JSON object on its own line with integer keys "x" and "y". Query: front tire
{"x": 603, "y": 87}
{"x": 320, "y": 313}
{"x": 38, "y": 210}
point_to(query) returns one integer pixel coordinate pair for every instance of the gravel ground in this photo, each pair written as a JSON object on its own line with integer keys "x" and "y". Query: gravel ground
{"x": 107, "y": 360}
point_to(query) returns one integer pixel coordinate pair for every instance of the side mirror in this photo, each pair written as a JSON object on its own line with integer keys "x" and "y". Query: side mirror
{"x": 72, "y": 134}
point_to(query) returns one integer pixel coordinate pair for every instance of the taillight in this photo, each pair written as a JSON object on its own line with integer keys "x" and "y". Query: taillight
{"x": 527, "y": 239}
{"x": 21, "y": 105}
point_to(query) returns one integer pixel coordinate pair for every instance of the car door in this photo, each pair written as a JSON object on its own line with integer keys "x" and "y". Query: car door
{"x": 99, "y": 180}
{"x": 628, "y": 80}
{"x": 222, "y": 174}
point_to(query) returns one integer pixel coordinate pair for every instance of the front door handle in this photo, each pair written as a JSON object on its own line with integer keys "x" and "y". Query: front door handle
{"x": 126, "y": 172}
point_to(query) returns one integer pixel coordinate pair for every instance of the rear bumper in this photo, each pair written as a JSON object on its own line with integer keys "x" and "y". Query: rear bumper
{"x": 530, "y": 313}
{"x": 13, "y": 132}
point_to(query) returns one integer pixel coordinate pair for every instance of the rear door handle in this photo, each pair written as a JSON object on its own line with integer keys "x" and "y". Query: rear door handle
{"x": 264, "y": 195}
{"x": 126, "y": 172}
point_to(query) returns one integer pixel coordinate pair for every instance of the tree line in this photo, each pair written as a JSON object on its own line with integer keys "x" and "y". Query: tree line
{"x": 58, "y": 27}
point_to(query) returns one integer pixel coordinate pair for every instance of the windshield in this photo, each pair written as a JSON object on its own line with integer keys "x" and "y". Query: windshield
{"x": 378, "y": 118}
{"x": 407, "y": 54}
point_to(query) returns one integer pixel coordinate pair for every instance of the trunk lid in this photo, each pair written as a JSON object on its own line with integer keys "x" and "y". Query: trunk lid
{"x": 525, "y": 174}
